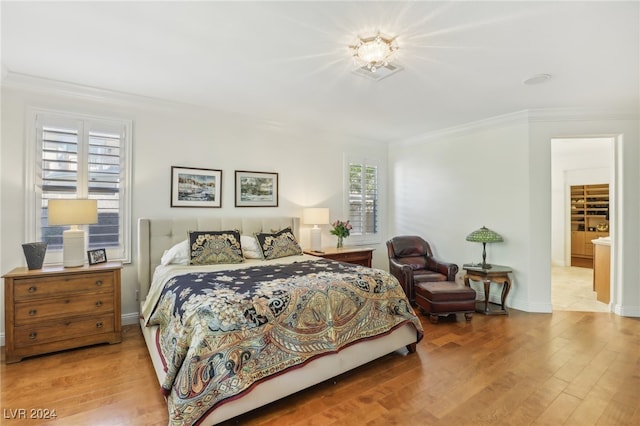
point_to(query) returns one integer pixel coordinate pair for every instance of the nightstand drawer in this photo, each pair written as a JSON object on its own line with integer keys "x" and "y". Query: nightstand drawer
{"x": 39, "y": 310}
{"x": 355, "y": 255}
{"x": 31, "y": 288}
{"x": 356, "y": 258}
{"x": 53, "y": 331}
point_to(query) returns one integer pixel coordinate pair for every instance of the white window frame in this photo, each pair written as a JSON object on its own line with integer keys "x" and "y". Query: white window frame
{"x": 366, "y": 239}
{"x": 34, "y": 194}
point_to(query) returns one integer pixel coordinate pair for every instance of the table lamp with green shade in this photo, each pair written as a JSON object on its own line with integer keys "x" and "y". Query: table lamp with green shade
{"x": 484, "y": 235}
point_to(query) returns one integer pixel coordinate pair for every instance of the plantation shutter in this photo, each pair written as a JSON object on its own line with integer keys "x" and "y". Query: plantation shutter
{"x": 105, "y": 175}
{"x": 363, "y": 198}
{"x": 83, "y": 158}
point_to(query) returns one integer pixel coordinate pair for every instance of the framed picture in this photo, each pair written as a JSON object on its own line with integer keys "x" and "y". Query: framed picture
{"x": 97, "y": 256}
{"x": 192, "y": 187}
{"x": 256, "y": 189}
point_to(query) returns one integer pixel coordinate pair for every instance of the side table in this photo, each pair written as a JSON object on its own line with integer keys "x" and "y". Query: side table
{"x": 497, "y": 274}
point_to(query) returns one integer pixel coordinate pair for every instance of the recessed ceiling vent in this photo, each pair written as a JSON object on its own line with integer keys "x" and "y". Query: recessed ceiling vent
{"x": 379, "y": 73}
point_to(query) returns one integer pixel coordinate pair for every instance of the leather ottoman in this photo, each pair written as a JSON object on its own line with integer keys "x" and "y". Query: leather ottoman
{"x": 442, "y": 298}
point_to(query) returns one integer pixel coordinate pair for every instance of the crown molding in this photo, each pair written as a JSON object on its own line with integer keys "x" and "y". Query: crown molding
{"x": 539, "y": 115}
{"x": 39, "y": 85}
{"x": 468, "y": 128}
{"x": 43, "y": 86}
{"x": 580, "y": 114}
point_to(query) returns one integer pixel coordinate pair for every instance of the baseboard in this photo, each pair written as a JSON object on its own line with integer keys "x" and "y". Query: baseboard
{"x": 128, "y": 319}
{"x": 627, "y": 311}
{"x": 539, "y": 308}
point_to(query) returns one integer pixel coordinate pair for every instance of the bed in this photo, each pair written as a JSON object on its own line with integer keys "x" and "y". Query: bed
{"x": 209, "y": 373}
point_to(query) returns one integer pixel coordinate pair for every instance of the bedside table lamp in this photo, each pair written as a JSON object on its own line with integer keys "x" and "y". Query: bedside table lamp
{"x": 315, "y": 216}
{"x": 73, "y": 212}
{"x": 484, "y": 235}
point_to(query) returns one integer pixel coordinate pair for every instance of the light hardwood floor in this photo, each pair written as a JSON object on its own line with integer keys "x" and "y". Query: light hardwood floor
{"x": 565, "y": 368}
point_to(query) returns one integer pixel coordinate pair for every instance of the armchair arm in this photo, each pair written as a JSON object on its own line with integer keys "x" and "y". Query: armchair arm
{"x": 445, "y": 268}
{"x": 403, "y": 273}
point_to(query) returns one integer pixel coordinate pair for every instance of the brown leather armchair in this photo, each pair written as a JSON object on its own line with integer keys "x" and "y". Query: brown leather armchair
{"x": 411, "y": 261}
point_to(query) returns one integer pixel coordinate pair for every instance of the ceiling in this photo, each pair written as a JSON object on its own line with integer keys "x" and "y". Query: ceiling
{"x": 287, "y": 63}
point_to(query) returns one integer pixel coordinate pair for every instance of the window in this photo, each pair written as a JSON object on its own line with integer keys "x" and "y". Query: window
{"x": 363, "y": 201}
{"x": 78, "y": 156}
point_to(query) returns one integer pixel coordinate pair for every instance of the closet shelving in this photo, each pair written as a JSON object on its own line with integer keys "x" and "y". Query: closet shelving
{"x": 589, "y": 221}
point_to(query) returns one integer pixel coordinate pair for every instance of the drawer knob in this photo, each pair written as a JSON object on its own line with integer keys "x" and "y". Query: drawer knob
{"x": 99, "y": 303}
{"x": 99, "y": 283}
{"x": 32, "y": 312}
{"x": 99, "y": 324}
{"x": 33, "y": 335}
{"x": 33, "y": 289}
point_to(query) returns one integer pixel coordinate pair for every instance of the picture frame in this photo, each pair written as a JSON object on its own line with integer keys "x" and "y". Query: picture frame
{"x": 97, "y": 256}
{"x": 196, "y": 187}
{"x": 256, "y": 189}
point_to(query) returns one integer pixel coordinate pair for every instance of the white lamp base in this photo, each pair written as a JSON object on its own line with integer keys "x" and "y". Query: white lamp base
{"x": 316, "y": 239}
{"x": 73, "y": 248}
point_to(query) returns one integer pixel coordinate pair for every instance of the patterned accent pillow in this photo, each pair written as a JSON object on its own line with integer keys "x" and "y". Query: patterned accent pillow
{"x": 278, "y": 244}
{"x": 212, "y": 247}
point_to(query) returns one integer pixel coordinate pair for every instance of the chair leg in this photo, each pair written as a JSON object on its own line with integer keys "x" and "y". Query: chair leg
{"x": 468, "y": 315}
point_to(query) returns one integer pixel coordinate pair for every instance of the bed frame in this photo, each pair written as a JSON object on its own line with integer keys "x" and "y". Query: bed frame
{"x": 157, "y": 235}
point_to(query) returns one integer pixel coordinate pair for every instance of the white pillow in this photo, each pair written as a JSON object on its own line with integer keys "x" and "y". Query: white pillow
{"x": 177, "y": 255}
{"x": 250, "y": 249}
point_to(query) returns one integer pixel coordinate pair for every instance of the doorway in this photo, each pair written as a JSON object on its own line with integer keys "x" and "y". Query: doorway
{"x": 575, "y": 161}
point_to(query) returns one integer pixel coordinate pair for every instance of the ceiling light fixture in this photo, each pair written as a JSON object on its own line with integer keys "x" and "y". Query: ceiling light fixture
{"x": 375, "y": 51}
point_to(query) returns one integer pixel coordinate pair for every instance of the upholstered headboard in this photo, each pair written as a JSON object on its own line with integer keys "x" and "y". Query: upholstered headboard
{"x": 157, "y": 235}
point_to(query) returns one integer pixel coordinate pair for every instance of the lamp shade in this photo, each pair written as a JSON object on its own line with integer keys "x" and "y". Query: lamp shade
{"x": 315, "y": 216}
{"x": 484, "y": 235}
{"x": 73, "y": 212}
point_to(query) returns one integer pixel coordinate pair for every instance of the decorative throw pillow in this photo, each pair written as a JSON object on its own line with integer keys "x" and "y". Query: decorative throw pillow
{"x": 278, "y": 244}
{"x": 212, "y": 247}
{"x": 250, "y": 249}
{"x": 178, "y": 254}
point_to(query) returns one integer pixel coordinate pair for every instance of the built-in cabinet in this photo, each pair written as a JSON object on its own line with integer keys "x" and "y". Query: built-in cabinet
{"x": 602, "y": 270}
{"x": 589, "y": 221}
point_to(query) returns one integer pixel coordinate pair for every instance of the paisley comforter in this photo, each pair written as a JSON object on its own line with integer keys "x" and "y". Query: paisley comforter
{"x": 222, "y": 332}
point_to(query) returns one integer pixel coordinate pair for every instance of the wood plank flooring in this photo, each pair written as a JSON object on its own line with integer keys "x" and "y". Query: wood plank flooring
{"x": 565, "y": 368}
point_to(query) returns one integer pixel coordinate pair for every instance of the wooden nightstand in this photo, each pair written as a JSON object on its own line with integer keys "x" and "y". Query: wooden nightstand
{"x": 356, "y": 255}
{"x": 56, "y": 308}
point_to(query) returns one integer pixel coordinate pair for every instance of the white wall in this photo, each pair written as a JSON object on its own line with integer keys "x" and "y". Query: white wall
{"x": 309, "y": 163}
{"x": 576, "y": 161}
{"x": 497, "y": 173}
{"x": 625, "y": 226}
{"x": 447, "y": 184}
